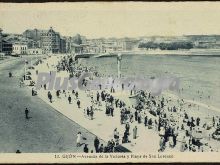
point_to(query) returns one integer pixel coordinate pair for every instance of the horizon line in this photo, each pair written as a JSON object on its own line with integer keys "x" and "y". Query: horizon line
{"x": 181, "y": 35}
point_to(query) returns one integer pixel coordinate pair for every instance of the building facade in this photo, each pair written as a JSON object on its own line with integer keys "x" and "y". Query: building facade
{"x": 6, "y": 47}
{"x": 110, "y": 45}
{"x": 34, "y": 51}
{"x": 71, "y": 46}
{"x": 34, "y": 34}
{"x": 68, "y": 44}
{"x": 62, "y": 45}
{"x": 19, "y": 48}
{"x": 50, "y": 41}
{"x": 75, "y": 48}
{"x": 129, "y": 44}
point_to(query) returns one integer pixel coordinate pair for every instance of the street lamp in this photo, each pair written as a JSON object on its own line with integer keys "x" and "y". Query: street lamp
{"x": 119, "y": 58}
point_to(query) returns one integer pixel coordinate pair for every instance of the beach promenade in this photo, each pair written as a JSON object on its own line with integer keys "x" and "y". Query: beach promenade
{"x": 46, "y": 131}
{"x": 102, "y": 125}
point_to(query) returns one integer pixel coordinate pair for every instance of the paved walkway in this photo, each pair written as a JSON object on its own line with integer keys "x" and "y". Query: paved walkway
{"x": 47, "y": 131}
{"x": 102, "y": 125}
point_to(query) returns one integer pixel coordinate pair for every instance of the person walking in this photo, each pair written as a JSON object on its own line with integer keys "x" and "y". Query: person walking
{"x": 112, "y": 111}
{"x": 77, "y": 95}
{"x": 115, "y": 133}
{"x": 101, "y": 148}
{"x": 33, "y": 92}
{"x": 78, "y": 139}
{"x": 116, "y": 136}
{"x": 136, "y": 115}
{"x": 162, "y": 144}
{"x": 69, "y": 99}
{"x": 49, "y": 96}
{"x": 96, "y": 144}
{"x": 26, "y": 113}
{"x": 112, "y": 145}
{"x": 87, "y": 111}
{"x": 10, "y": 74}
{"x": 175, "y": 134}
{"x": 162, "y": 131}
{"x": 135, "y": 132}
{"x": 183, "y": 145}
{"x": 78, "y": 103}
{"x": 100, "y": 87}
{"x": 145, "y": 120}
{"x": 97, "y": 96}
{"x": 58, "y": 93}
{"x": 125, "y": 137}
{"x": 86, "y": 149}
{"x": 91, "y": 113}
{"x": 139, "y": 117}
{"x": 127, "y": 127}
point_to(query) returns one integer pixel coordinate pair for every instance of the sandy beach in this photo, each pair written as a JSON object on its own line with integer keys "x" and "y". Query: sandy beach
{"x": 106, "y": 129}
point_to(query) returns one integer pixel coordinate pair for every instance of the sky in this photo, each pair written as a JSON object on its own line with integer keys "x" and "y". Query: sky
{"x": 118, "y": 19}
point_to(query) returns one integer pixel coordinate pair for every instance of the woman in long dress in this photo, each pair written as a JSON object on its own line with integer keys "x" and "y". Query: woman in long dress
{"x": 183, "y": 145}
{"x": 135, "y": 132}
{"x": 78, "y": 139}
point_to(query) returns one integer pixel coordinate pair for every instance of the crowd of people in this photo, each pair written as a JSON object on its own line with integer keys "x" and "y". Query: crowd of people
{"x": 171, "y": 120}
{"x": 98, "y": 146}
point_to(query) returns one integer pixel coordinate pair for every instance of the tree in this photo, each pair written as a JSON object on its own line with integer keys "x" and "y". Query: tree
{"x": 77, "y": 39}
{"x": 166, "y": 46}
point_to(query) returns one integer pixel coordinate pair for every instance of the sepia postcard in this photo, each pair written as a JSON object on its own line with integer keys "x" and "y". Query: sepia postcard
{"x": 109, "y": 82}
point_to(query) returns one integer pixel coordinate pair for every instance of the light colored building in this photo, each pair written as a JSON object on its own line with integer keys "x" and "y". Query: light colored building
{"x": 111, "y": 45}
{"x": 19, "y": 48}
{"x": 75, "y": 48}
{"x": 34, "y": 51}
{"x": 129, "y": 44}
{"x": 71, "y": 46}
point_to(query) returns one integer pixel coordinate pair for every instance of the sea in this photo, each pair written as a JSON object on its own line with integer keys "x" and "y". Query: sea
{"x": 199, "y": 75}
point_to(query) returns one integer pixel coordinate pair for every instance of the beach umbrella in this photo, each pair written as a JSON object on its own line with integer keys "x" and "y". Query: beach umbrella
{"x": 203, "y": 141}
{"x": 197, "y": 135}
{"x": 134, "y": 100}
